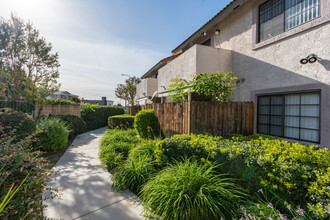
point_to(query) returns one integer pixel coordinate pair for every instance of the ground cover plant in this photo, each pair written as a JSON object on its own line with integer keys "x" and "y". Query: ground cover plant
{"x": 188, "y": 190}
{"x": 282, "y": 180}
{"x": 115, "y": 146}
{"x": 121, "y": 121}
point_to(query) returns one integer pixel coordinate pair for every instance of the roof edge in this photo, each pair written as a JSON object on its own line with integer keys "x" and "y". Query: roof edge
{"x": 221, "y": 14}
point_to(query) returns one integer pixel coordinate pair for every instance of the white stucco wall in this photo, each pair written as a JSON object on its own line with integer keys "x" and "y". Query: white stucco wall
{"x": 147, "y": 86}
{"x": 198, "y": 59}
{"x": 277, "y": 64}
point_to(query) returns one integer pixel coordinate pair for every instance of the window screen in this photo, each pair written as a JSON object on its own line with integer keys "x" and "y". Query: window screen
{"x": 276, "y": 16}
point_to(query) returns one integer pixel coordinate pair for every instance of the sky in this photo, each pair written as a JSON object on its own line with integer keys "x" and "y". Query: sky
{"x": 99, "y": 40}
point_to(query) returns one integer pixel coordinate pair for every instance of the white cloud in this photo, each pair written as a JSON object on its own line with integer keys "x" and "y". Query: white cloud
{"x": 92, "y": 60}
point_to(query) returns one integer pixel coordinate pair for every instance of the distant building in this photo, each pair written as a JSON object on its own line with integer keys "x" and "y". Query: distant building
{"x": 103, "y": 101}
{"x": 65, "y": 95}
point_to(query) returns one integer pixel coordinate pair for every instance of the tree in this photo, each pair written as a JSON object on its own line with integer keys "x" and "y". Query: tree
{"x": 28, "y": 68}
{"x": 218, "y": 85}
{"x": 127, "y": 91}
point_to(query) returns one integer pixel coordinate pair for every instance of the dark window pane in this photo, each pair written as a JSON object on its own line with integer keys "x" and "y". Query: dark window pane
{"x": 264, "y": 129}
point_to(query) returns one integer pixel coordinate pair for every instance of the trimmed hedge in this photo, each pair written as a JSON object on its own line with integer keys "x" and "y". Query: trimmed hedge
{"x": 145, "y": 123}
{"x": 97, "y": 116}
{"x": 14, "y": 123}
{"x": 121, "y": 121}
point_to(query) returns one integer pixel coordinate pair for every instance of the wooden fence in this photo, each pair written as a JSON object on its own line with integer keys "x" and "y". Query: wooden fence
{"x": 56, "y": 109}
{"x": 200, "y": 117}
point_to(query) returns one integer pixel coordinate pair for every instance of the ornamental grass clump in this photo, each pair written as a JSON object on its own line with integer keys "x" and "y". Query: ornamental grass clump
{"x": 115, "y": 146}
{"x": 189, "y": 190}
{"x": 134, "y": 173}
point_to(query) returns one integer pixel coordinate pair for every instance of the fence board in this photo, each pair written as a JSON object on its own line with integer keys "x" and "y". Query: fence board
{"x": 200, "y": 116}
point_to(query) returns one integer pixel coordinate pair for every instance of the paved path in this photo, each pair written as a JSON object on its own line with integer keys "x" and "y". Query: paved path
{"x": 85, "y": 187}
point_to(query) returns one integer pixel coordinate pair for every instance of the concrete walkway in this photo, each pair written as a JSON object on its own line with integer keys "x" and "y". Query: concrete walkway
{"x": 85, "y": 187}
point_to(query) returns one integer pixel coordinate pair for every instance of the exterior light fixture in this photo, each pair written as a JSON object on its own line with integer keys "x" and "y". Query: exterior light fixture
{"x": 217, "y": 32}
{"x": 311, "y": 58}
{"x": 204, "y": 33}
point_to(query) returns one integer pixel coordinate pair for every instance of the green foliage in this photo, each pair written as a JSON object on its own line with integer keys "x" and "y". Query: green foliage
{"x": 55, "y": 101}
{"x": 298, "y": 173}
{"x": 121, "y": 121}
{"x": 75, "y": 124}
{"x": 144, "y": 150}
{"x": 145, "y": 123}
{"x": 19, "y": 165}
{"x": 97, "y": 116}
{"x": 28, "y": 68}
{"x": 16, "y": 123}
{"x": 188, "y": 190}
{"x": 180, "y": 146}
{"x": 127, "y": 91}
{"x": 178, "y": 90}
{"x": 52, "y": 134}
{"x": 134, "y": 173}
{"x": 218, "y": 85}
{"x": 115, "y": 146}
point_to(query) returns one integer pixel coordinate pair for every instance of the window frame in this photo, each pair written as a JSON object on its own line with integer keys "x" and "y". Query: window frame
{"x": 284, "y": 19}
{"x": 284, "y": 115}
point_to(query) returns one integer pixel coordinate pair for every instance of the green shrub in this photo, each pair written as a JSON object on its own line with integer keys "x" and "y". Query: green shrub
{"x": 55, "y": 101}
{"x": 188, "y": 190}
{"x": 297, "y": 172}
{"x": 16, "y": 123}
{"x": 145, "y": 123}
{"x": 75, "y": 124}
{"x": 144, "y": 150}
{"x": 97, "y": 116}
{"x": 180, "y": 146}
{"x": 121, "y": 121}
{"x": 115, "y": 146}
{"x": 134, "y": 173}
{"x": 52, "y": 134}
{"x": 16, "y": 161}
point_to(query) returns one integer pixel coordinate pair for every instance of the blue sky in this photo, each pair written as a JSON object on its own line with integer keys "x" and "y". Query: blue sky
{"x": 98, "y": 40}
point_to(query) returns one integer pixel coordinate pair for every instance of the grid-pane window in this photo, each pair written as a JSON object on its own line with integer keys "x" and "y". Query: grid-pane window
{"x": 294, "y": 116}
{"x": 276, "y": 16}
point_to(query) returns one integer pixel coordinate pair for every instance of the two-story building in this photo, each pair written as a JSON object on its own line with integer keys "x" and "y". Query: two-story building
{"x": 279, "y": 50}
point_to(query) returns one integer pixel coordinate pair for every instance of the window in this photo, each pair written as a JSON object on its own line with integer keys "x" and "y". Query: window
{"x": 295, "y": 116}
{"x": 277, "y": 16}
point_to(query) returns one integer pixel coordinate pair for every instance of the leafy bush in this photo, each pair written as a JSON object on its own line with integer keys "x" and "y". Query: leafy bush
{"x": 180, "y": 146}
{"x": 97, "y": 116}
{"x": 115, "y": 146}
{"x": 75, "y": 124}
{"x": 16, "y": 162}
{"x": 188, "y": 190}
{"x": 15, "y": 123}
{"x": 145, "y": 123}
{"x": 121, "y": 121}
{"x": 297, "y": 172}
{"x": 134, "y": 173}
{"x": 52, "y": 134}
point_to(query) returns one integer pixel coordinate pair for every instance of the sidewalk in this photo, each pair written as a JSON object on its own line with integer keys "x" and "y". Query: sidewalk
{"x": 85, "y": 187}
